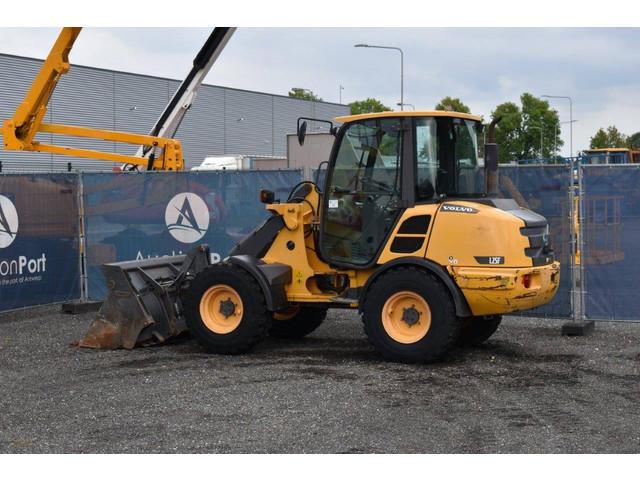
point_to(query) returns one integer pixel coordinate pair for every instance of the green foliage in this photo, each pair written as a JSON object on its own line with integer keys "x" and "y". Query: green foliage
{"x": 304, "y": 94}
{"x": 369, "y": 105}
{"x": 518, "y": 134}
{"x": 634, "y": 141}
{"x": 452, "y": 105}
{"x": 610, "y": 138}
{"x": 600, "y": 139}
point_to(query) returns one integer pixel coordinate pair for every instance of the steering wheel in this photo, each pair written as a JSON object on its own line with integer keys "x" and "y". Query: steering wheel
{"x": 378, "y": 184}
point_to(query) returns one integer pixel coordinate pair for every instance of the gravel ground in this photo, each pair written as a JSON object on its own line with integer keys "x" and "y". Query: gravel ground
{"x": 528, "y": 389}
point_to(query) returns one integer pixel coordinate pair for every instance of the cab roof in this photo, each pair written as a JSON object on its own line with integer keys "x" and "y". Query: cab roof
{"x": 423, "y": 113}
{"x": 607, "y": 150}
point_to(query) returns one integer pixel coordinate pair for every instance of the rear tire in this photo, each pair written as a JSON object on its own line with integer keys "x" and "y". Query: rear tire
{"x": 477, "y": 330}
{"x": 225, "y": 310}
{"x": 301, "y": 324}
{"x": 409, "y": 316}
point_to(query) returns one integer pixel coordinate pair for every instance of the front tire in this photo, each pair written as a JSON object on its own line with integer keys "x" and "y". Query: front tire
{"x": 297, "y": 323}
{"x": 409, "y": 316}
{"x": 225, "y": 310}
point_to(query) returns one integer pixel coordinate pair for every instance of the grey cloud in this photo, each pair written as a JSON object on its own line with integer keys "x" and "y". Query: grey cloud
{"x": 597, "y": 67}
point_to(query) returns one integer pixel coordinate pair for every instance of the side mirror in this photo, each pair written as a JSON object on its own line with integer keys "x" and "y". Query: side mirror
{"x": 302, "y": 132}
{"x": 267, "y": 196}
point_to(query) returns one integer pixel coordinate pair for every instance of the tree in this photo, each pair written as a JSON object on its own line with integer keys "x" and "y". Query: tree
{"x": 304, "y": 94}
{"x": 518, "y": 134}
{"x": 609, "y": 138}
{"x": 599, "y": 139}
{"x": 369, "y": 105}
{"x": 452, "y": 105}
{"x": 509, "y": 132}
{"x": 633, "y": 141}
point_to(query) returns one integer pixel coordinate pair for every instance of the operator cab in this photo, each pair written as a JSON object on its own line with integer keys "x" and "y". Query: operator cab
{"x": 383, "y": 163}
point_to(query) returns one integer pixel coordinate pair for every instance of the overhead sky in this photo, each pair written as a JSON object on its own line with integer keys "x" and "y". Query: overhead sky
{"x": 598, "y": 68}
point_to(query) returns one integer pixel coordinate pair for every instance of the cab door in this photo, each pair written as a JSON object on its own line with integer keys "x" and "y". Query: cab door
{"x": 362, "y": 197}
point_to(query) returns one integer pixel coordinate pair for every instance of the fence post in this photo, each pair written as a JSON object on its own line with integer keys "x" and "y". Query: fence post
{"x": 82, "y": 305}
{"x": 82, "y": 239}
{"x": 581, "y": 231}
{"x": 579, "y": 326}
{"x": 572, "y": 235}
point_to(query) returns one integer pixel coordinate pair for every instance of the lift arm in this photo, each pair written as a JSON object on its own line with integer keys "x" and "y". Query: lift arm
{"x": 19, "y": 132}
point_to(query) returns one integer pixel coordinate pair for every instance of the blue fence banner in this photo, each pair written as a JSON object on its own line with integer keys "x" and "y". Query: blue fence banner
{"x": 154, "y": 214}
{"x": 545, "y": 190}
{"x": 610, "y": 228}
{"x": 39, "y": 239}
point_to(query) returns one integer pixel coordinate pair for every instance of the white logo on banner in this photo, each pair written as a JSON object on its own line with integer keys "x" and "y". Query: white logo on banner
{"x": 187, "y": 217}
{"x": 8, "y": 222}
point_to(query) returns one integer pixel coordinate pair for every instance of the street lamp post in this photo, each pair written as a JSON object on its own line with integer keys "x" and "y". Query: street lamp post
{"x": 364, "y": 45}
{"x": 570, "y": 118}
{"x": 341, "y": 89}
{"x": 408, "y": 105}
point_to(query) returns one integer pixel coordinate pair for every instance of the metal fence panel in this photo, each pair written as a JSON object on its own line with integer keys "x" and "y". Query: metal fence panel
{"x": 545, "y": 190}
{"x": 147, "y": 215}
{"x": 39, "y": 239}
{"x": 610, "y": 229}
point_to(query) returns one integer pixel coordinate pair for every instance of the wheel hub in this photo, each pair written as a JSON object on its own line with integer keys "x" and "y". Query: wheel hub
{"x": 410, "y": 315}
{"x": 221, "y": 309}
{"x": 227, "y": 307}
{"x": 406, "y": 317}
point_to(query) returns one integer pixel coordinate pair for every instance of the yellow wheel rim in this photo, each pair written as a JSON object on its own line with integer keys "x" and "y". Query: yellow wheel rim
{"x": 221, "y": 309}
{"x": 406, "y": 317}
{"x": 287, "y": 314}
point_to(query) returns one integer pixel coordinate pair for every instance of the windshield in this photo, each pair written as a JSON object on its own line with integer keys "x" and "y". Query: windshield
{"x": 447, "y": 158}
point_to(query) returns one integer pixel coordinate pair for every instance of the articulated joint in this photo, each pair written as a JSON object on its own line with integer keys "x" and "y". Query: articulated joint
{"x": 9, "y": 138}
{"x": 171, "y": 158}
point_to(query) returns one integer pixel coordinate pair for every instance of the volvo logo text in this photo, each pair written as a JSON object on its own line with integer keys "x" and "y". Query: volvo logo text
{"x": 458, "y": 208}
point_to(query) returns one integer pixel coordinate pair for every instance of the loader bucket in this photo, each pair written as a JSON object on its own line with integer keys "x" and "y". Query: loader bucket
{"x": 143, "y": 304}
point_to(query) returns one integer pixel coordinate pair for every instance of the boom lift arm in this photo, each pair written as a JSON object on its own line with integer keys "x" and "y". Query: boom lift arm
{"x": 19, "y": 132}
{"x": 169, "y": 121}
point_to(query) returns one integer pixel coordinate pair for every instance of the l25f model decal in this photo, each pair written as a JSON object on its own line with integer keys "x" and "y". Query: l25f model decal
{"x": 490, "y": 260}
{"x": 457, "y": 208}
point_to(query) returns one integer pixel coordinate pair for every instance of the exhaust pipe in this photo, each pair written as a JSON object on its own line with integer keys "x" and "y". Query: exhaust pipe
{"x": 491, "y": 160}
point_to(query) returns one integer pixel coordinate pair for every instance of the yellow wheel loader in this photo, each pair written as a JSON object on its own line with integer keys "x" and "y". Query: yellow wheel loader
{"x": 407, "y": 229}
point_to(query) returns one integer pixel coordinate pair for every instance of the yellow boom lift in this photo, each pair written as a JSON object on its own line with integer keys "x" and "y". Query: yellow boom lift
{"x": 408, "y": 230}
